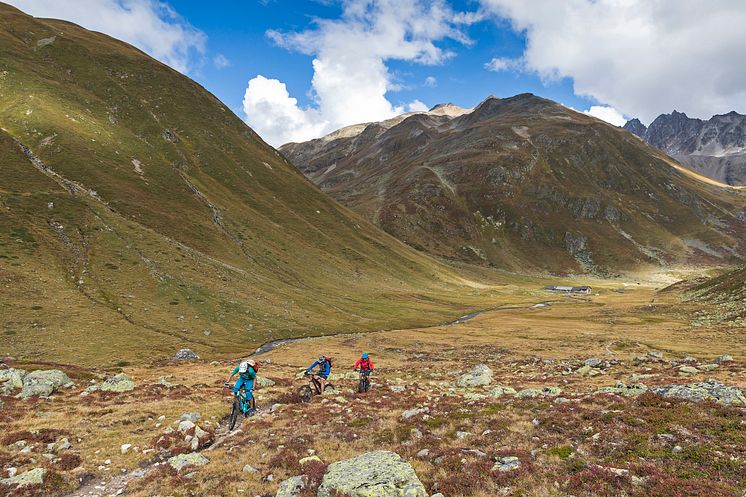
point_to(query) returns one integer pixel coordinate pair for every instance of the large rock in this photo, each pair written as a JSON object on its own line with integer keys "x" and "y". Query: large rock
{"x": 43, "y": 383}
{"x": 479, "y": 375}
{"x": 32, "y": 477}
{"x": 624, "y": 389}
{"x": 530, "y": 393}
{"x": 707, "y": 390}
{"x": 118, "y": 383}
{"x": 11, "y": 379}
{"x": 291, "y": 487}
{"x": 186, "y": 355}
{"x": 183, "y": 460}
{"x": 375, "y": 474}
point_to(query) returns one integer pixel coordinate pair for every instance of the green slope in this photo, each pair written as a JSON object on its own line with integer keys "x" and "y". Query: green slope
{"x": 724, "y": 299}
{"x": 140, "y": 215}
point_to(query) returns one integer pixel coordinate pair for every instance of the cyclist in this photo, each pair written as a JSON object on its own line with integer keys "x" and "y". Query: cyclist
{"x": 324, "y": 364}
{"x": 364, "y": 363}
{"x": 246, "y": 375}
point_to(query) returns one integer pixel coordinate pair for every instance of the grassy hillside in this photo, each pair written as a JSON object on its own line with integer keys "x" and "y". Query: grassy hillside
{"x": 524, "y": 182}
{"x": 140, "y": 215}
{"x": 723, "y": 299}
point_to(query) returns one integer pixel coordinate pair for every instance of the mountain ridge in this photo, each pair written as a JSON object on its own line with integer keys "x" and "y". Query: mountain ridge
{"x": 518, "y": 182}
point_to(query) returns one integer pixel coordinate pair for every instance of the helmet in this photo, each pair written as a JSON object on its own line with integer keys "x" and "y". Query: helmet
{"x": 243, "y": 367}
{"x": 322, "y": 358}
{"x": 365, "y": 355}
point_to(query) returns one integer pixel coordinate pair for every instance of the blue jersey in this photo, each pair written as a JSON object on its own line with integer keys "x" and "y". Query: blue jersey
{"x": 325, "y": 368}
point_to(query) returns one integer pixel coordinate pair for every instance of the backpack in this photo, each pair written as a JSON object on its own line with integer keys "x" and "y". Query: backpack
{"x": 329, "y": 360}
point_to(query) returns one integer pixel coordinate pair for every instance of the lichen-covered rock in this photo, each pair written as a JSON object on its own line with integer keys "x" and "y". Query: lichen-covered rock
{"x": 375, "y": 474}
{"x": 11, "y": 379}
{"x": 31, "y": 477}
{"x": 291, "y": 487}
{"x": 593, "y": 362}
{"x": 723, "y": 358}
{"x": 186, "y": 355}
{"x": 621, "y": 388}
{"x": 529, "y": 393}
{"x": 43, "y": 383}
{"x": 183, "y": 460}
{"x": 508, "y": 463}
{"x": 479, "y": 375}
{"x": 707, "y": 390}
{"x": 118, "y": 383}
{"x": 500, "y": 390}
{"x": 688, "y": 370}
{"x": 262, "y": 381}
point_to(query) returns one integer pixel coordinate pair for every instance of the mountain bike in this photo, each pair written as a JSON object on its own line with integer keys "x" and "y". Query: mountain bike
{"x": 306, "y": 392}
{"x": 244, "y": 404}
{"x": 364, "y": 383}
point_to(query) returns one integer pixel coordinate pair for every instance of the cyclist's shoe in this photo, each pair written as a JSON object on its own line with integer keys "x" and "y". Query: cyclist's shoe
{"x": 227, "y": 385}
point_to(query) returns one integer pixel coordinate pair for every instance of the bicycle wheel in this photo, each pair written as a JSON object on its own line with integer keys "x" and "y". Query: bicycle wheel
{"x": 305, "y": 394}
{"x": 361, "y": 386}
{"x": 366, "y": 383}
{"x": 234, "y": 415}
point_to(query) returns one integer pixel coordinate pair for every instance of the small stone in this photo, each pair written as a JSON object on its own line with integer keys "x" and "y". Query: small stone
{"x": 190, "y": 416}
{"x": 463, "y": 434}
{"x": 125, "y": 448}
{"x": 593, "y": 362}
{"x": 64, "y": 444}
{"x": 308, "y": 459}
{"x": 248, "y": 468}
{"x": 656, "y": 354}
{"x": 677, "y": 449}
{"x": 688, "y": 370}
{"x": 186, "y": 425}
{"x": 423, "y": 453}
{"x": 410, "y": 413}
{"x": 500, "y": 390}
{"x": 708, "y": 367}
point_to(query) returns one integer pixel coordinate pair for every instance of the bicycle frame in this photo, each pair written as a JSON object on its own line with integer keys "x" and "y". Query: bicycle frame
{"x": 244, "y": 401}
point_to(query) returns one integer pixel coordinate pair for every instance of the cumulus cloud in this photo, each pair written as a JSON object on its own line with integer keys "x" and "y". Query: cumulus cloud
{"x": 351, "y": 79}
{"x": 150, "y": 25}
{"x": 606, "y": 113}
{"x": 221, "y": 61}
{"x": 638, "y": 56}
{"x": 417, "y": 106}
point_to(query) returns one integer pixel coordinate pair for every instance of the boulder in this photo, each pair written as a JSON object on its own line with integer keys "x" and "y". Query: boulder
{"x": 11, "y": 379}
{"x": 656, "y": 354}
{"x": 508, "y": 463}
{"x": 621, "y": 388}
{"x": 262, "y": 381}
{"x": 190, "y": 416}
{"x": 688, "y": 370}
{"x": 530, "y": 393}
{"x": 707, "y": 390}
{"x": 375, "y": 474}
{"x": 291, "y": 487}
{"x": 708, "y": 367}
{"x": 118, "y": 383}
{"x": 415, "y": 411}
{"x": 500, "y": 390}
{"x": 183, "y": 460}
{"x": 43, "y": 383}
{"x": 593, "y": 362}
{"x": 186, "y": 355}
{"x": 723, "y": 358}
{"x": 31, "y": 477}
{"x": 479, "y": 375}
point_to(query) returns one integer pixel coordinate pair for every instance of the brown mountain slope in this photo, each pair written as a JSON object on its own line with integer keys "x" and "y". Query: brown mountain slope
{"x": 524, "y": 182}
{"x": 139, "y": 216}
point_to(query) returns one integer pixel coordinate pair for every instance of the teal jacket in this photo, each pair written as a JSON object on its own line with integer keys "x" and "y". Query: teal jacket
{"x": 250, "y": 374}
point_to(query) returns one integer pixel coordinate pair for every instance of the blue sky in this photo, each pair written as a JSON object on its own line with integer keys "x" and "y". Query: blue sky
{"x": 295, "y": 70}
{"x": 237, "y": 30}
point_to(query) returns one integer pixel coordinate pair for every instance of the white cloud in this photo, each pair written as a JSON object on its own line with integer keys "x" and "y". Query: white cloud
{"x": 221, "y": 61}
{"x": 498, "y": 64}
{"x": 350, "y": 79}
{"x": 417, "y": 106}
{"x": 606, "y": 113}
{"x": 430, "y": 82}
{"x": 151, "y": 25}
{"x": 638, "y": 56}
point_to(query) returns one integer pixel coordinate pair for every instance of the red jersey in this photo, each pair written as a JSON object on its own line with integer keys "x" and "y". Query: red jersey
{"x": 364, "y": 364}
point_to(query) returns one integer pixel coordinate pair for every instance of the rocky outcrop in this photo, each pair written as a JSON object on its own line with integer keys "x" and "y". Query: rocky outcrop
{"x": 118, "y": 383}
{"x": 707, "y": 390}
{"x": 31, "y": 477}
{"x": 375, "y": 474}
{"x": 11, "y": 379}
{"x": 43, "y": 383}
{"x": 479, "y": 375}
{"x": 186, "y": 355}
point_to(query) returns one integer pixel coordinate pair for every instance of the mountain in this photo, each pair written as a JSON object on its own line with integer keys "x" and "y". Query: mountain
{"x": 526, "y": 183}
{"x": 715, "y": 148}
{"x": 140, "y": 216}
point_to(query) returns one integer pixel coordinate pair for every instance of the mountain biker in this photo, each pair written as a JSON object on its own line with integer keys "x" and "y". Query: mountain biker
{"x": 324, "y": 364}
{"x": 364, "y": 363}
{"x": 246, "y": 375}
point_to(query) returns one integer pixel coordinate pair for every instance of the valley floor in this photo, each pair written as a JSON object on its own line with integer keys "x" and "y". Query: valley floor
{"x": 569, "y": 438}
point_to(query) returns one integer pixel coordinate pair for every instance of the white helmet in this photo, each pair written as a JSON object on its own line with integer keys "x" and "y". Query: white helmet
{"x": 243, "y": 367}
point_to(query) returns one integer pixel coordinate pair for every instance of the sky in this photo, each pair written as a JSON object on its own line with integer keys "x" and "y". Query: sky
{"x": 296, "y": 70}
